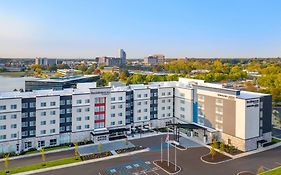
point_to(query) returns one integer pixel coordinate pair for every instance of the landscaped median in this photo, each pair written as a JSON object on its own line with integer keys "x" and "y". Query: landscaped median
{"x": 276, "y": 171}
{"x": 41, "y": 165}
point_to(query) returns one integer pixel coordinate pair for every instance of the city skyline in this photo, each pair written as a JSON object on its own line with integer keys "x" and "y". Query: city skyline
{"x": 72, "y": 29}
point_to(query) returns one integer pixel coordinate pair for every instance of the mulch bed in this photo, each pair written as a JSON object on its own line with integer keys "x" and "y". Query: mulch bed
{"x": 218, "y": 157}
{"x": 164, "y": 165}
{"x": 96, "y": 155}
{"x": 178, "y": 146}
{"x": 131, "y": 149}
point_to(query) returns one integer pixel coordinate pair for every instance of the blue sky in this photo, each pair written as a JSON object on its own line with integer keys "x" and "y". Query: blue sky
{"x": 176, "y": 28}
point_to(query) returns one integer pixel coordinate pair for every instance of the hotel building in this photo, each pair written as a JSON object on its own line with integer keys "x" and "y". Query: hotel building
{"x": 46, "y": 118}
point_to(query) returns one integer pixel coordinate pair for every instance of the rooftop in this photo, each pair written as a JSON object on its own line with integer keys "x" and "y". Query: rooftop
{"x": 63, "y": 79}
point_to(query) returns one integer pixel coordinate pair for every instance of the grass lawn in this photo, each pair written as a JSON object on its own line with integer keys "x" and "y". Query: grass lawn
{"x": 273, "y": 172}
{"x": 47, "y": 149}
{"x": 40, "y": 166}
{"x": 275, "y": 140}
{"x": 12, "y": 74}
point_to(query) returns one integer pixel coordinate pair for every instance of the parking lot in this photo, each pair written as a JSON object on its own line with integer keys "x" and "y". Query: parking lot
{"x": 189, "y": 160}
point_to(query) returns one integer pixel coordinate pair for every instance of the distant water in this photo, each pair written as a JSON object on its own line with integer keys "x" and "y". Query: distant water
{"x": 11, "y": 83}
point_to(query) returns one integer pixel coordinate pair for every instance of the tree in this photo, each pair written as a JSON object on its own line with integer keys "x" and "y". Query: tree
{"x": 222, "y": 147}
{"x": 260, "y": 170}
{"x": 76, "y": 151}
{"x": 212, "y": 151}
{"x": 124, "y": 74}
{"x": 6, "y": 163}
{"x": 43, "y": 156}
{"x": 126, "y": 142}
{"x": 99, "y": 147}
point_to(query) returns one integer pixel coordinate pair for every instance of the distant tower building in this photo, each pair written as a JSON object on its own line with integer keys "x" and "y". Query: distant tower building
{"x": 45, "y": 61}
{"x": 122, "y": 55}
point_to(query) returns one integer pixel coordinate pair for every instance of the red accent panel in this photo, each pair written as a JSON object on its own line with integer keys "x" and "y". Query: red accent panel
{"x": 100, "y": 104}
{"x": 100, "y": 121}
{"x": 100, "y": 112}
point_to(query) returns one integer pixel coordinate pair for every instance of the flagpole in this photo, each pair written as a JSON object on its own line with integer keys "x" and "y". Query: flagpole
{"x": 175, "y": 158}
{"x": 161, "y": 151}
{"x": 168, "y": 153}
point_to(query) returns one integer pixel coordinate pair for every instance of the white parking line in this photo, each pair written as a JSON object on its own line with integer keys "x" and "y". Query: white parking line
{"x": 278, "y": 163}
{"x": 155, "y": 172}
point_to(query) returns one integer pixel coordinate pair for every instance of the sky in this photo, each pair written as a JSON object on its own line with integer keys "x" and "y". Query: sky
{"x": 175, "y": 28}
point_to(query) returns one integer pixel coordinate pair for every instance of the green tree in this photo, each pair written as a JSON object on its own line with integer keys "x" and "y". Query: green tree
{"x": 99, "y": 147}
{"x": 6, "y": 162}
{"x": 43, "y": 156}
{"x": 222, "y": 147}
{"x": 126, "y": 142}
{"x": 76, "y": 151}
{"x": 212, "y": 151}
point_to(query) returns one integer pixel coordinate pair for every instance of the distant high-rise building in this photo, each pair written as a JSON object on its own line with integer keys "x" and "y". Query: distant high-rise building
{"x": 122, "y": 55}
{"x": 45, "y": 61}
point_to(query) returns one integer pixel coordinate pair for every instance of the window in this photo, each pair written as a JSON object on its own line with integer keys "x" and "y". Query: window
{"x": 139, "y": 118}
{"x": 69, "y": 110}
{"x": 78, "y": 101}
{"x": 112, "y": 123}
{"x": 163, "y": 115}
{"x": 24, "y": 105}
{"x": 169, "y": 114}
{"x": 112, "y": 115}
{"x": 163, "y": 101}
{"x": 43, "y": 123}
{"x": 219, "y": 118}
{"x": 112, "y": 98}
{"x": 219, "y": 127}
{"x": 145, "y": 110}
{"x": 62, "y": 120}
{"x": 24, "y": 133}
{"x": 145, "y": 102}
{"x": 53, "y": 142}
{"x": 169, "y": 93}
{"x": 52, "y": 122}
{"x": 24, "y": 124}
{"x": 52, "y": 131}
{"x": 139, "y": 95}
{"x": 219, "y": 101}
{"x": 62, "y": 102}
{"x": 43, "y": 132}
{"x": 32, "y": 114}
{"x": 27, "y": 145}
{"x": 68, "y": 128}
{"x": 13, "y": 106}
{"x": 139, "y": 103}
{"x": 120, "y": 106}
{"x": 52, "y": 103}
{"x": 2, "y": 117}
{"x": 120, "y": 122}
{"x": 78, "y": 119}
{"x": 32, "y": 133}
{"x": 79, "y": 110}
{"x": 87, "y": 118}
{"x": 120, "y": 98}
{"x": 87, "y": 126}
{"x": 120, "y": 114}
{"x": 3, "y": 137}
{"x": 2, "y": 127}
{"x": 2, "y": 107}
{"x": 169, "y": 100}
{"x": 52, "y": 112}
{"x": 62, "y": 128}
{"x": 163, "y": 108}
{"x": 113, "y": 107}
{"x": 68, "y": 102}
{"x": 32, "y": 123}
{"x": 87, "y": 101}
{"x": 13, "y": 126}
{"x": 78, "y": 127}
{"x": 201, "y": 98}
{"x": 41, "y": 143}
{"x": 32, "y": 105}
{"x": 62, "y": 111}
{"x": 43, "y": 104}
{"x": 219, "y": 110}
{"x": 13, "y": 136}
{"x": 169, "y": 107}
{"x": 182, "y": 116}
{"x": 145, "y": 95}
{"x": 43, "y": 113}
{"x": 145, "y": 117}
{"x": 87, "y": 109}
{"x": 182, "y": 109}
{"x": 68, "y": 119}
{"x": 139, "y": 111}
{"x": 13, "y": 116}
{"x": 24, "y": 115}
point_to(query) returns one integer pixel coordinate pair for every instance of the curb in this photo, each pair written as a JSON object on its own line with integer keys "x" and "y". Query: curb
{"x": 81, "y": 163}
{"x": 165, "y": 170}
{"x": 213, "y": 163}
